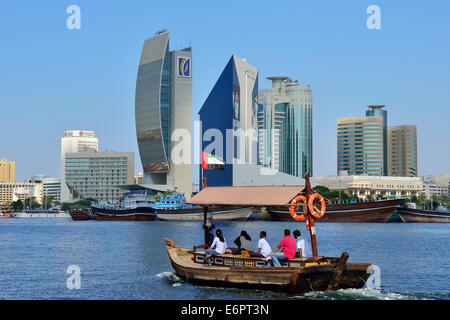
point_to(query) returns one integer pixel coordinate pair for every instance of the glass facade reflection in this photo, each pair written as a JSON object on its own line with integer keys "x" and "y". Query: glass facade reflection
{"x": 360, "y": 145}
{"x": 285, "y": 127}
{"x": 377, "y": 111}
{"x": 152, "y": 104}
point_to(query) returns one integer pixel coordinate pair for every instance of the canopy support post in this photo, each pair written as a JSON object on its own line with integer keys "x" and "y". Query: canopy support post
{"x": 309, "y": 217}
{"x": 207, "y": 225}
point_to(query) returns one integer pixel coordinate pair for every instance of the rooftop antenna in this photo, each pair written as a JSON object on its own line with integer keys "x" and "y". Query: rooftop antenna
{"x": 161, "y": 31}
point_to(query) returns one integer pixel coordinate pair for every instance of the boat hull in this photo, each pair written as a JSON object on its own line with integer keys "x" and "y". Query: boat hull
{"x": 196, "y": 214}
{"x": 125, "y": 216}
{"x": 40, "y": 215}
{"x": 136, "y": 214}
{"x": 79, "y": 217}
{"x": 377, "y": 211}
{"x": 423, "y": 216}
{"x": 288, "y": 279}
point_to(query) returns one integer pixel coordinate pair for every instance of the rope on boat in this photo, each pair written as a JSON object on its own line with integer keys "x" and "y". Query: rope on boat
{"x": 182, "y": 252}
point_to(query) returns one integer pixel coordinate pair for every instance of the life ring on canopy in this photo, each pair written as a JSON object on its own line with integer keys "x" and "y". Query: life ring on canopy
{"x": 292, "y": 205}
{"x": 316, "y": 213}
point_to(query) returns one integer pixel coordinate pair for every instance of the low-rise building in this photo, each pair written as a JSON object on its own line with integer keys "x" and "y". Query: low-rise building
{"x": 363, "y": 186}
{"x": 436, "y": 185}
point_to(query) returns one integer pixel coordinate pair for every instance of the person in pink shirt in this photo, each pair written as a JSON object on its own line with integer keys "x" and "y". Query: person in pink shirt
{"x": 289, "y": 248}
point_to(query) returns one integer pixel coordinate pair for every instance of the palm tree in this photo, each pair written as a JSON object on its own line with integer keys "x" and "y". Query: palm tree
{"x": 421, "y": 199}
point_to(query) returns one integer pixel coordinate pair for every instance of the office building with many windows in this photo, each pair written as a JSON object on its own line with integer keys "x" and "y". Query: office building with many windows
{"x": 163, "y": 110}
{"x": 402, "y": 151}
{"x": 7, "y": 171}
{"x": 229, "y": 130}
{"x": 98, "y": 175}
{"x": 75, "y": 141}
{"x": 365, "y": 186}
{"x": 285, "y": 127}
{"x": 360, "y": 145}
{"x": 378, "y": 111}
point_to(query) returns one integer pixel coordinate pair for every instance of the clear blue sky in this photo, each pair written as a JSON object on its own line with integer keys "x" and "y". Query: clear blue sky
{"x": 53, "y": 79}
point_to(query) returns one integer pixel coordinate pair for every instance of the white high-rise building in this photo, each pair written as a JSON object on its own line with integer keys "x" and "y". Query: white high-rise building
{"x": 75, "y": 141}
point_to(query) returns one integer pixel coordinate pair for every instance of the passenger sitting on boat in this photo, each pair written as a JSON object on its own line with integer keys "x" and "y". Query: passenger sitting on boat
{"x": 289, "y": 247}
{"x": 303, "y": 246}
{"x": 264, "y": 248}
{"x": 218, "y": 246}
{"x": 244, "y": 242}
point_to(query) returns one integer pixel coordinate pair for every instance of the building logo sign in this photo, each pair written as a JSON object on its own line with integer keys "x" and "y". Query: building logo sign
{"x": 184, "y": 67}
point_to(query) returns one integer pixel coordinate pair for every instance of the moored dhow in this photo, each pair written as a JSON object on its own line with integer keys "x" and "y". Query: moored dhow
{"x": 413, "y": 214}
{"x": 80, "y": 213}
{"x": 136, "y": 206}
{"x": 298, "y": 275}
{"x": 368, "y": 211}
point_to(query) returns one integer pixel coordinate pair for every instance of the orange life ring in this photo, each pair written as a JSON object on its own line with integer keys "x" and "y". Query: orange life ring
{"x": 314, "y": 210}
{"x": 299, "y": 217}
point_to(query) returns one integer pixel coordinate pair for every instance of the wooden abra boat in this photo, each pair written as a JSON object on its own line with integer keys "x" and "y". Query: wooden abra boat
{"x": 298, "y": 275}
{"x": 427, "y": 216}
{"x": 371, "y": 211}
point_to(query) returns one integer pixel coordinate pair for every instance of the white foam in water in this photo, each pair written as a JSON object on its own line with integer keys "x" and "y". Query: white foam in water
{"x": 172, "y": 277}
{"x": 357, "y": 294}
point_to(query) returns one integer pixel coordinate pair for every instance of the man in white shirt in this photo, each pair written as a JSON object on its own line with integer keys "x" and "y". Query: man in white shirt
{"x": 264, "y": 247}
{"x": 303, "y": 246}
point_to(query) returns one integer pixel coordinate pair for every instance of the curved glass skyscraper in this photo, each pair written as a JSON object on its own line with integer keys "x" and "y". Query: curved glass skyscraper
{"x": 152, "y": 105}
{"x": 163, "y": 103}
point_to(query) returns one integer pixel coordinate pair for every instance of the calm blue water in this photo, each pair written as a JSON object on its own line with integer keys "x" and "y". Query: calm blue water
{"x": 128, "y": 260}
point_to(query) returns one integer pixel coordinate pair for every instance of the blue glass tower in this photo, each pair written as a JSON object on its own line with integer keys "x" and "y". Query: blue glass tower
{"x": 376, "y": 111}
{"x": 231, "y": 105}
{"x": 285, "y": 127}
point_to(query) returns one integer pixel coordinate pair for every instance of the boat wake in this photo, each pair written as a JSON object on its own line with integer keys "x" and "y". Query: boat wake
{"x": 170, "y": 277}
{"x": 356, "y": 294}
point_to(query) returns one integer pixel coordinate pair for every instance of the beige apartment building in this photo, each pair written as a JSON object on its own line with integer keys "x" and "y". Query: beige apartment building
{"x": 7, "y": 171}
{"x": 10, "y": 192}
{"x": 402, "y": 151}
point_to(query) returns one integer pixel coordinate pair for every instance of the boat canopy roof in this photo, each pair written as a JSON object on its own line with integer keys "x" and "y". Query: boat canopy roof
{"x": 259, "y": 196}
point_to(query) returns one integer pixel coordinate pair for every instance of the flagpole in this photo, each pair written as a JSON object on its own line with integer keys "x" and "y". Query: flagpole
{"x": 201, "y": 166}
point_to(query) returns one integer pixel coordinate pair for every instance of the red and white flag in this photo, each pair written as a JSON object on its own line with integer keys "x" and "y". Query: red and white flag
{"x": 210, "y": 162}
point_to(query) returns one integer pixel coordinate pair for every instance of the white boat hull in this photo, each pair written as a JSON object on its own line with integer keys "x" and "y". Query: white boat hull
{"x": 423, "y": 217}
{"x": 240, "y": 214}
{"x": 40, "y": 215}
